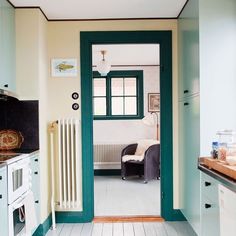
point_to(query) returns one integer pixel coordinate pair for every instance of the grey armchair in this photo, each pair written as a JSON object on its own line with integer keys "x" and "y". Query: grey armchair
{"x": 149, "y": 167}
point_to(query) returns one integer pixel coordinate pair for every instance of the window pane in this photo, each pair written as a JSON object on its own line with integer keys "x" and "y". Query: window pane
{"x": 130, "y": 86}
{"x": 130, "y": 106}
{"x": 99, "y": 106}
{"x": 117, "y": 106}
{"x": 117, "y": 86}
{"x": 99, "y": 87}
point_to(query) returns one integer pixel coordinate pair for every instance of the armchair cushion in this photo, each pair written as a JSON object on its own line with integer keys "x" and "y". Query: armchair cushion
{"x": 143, "y": 145}
{"x": 132, "y": 158}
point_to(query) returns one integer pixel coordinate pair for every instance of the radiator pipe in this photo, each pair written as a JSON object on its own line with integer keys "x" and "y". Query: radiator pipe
{"x": 52, "y": 176}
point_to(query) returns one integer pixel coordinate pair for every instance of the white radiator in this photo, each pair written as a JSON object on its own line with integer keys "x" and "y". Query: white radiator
{"x": 69, "y": 184}
{"x": 107, "y": 156}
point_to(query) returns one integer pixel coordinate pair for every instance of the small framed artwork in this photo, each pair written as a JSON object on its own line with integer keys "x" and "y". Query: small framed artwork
{"x": 64, "y": 67}
{"x": 153, "y": 102}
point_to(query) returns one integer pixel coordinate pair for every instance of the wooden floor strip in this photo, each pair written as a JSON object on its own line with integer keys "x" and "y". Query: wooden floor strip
{"x": 113, "y": 219}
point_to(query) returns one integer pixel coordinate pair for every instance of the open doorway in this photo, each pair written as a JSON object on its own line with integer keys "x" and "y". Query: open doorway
{"x": 164, "y": 39}
{"x": 126, "y": 111}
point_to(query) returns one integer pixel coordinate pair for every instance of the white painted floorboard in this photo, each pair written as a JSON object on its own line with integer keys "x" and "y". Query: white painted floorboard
{"x": 116, "y": 197}
{"x": 124, "y": 229}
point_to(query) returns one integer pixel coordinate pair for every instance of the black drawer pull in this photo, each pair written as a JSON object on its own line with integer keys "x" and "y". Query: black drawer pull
{"x": 37, "y": 201}
{"x": 36, "y": 172}
{"x": 186, "y": 91}
{"x": 0, "y": 196}
{"x": 0, "y": 177}
{"x": 36, "y": 160}
{"x": 6, "y": 85}
{"x": 207, "y": 205}
{"x": 186, "y": 104}
{"x": 207, "y": 183}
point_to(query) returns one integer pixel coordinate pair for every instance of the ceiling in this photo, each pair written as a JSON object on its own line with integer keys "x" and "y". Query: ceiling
{"x": 127, "y": 54}
{"x": 105, "y": 9}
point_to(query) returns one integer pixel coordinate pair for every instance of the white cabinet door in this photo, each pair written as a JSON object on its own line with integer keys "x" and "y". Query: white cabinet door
{"x": 227, "y": 202}
{"x": 3, "y": 202}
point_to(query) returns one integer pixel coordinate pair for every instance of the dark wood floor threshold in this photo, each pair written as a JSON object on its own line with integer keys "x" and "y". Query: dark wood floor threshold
{"x": 116, "y": 219}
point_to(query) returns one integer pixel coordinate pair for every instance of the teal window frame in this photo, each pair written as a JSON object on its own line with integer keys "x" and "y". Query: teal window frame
{"x": 138, "y": 74}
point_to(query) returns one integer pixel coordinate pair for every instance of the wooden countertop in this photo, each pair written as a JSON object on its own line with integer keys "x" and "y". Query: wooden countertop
{"x": 225, "y": 174}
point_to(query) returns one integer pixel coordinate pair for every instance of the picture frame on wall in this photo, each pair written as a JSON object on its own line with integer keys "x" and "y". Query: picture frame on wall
{"x": 64, "y": 67}
{"x": 153, "y": 102}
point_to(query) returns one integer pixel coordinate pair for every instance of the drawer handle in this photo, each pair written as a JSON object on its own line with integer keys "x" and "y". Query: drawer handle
{"x": 207, "y": 205}
{"x": 0, "y": 196}
{"x": 186, "y": 104}
{"x": 6, "y": 85}
{"x": 36, "y": 172}
{"x": 36, "y": 160}
{"x": 207, "y": 184}
{"x": 0, "y": 177}
{"x": 186, "y": 91}
{"x": 37, "y": 201}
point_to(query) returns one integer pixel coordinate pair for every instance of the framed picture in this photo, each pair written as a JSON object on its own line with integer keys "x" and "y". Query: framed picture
{"x": 64, "y": 67}
{"x": 153, "y": 102}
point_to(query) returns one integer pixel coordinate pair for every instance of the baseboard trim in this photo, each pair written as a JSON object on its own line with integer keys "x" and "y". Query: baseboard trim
{"x": 107, "y": 172}
{"x": 115, "y": 219}
{"x": 44, "y": 227}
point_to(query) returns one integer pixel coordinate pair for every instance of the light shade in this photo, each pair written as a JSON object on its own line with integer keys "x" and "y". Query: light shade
{"x": 150, "y": 119}
{"x": 103, "y": 66}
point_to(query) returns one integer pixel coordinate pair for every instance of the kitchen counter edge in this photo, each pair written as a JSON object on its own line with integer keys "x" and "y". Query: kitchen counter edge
{"x": 223, "y": 179}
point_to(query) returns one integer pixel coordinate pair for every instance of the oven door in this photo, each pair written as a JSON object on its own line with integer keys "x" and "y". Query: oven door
{"x": 16, "y": 218}
{"x": 18, "y": 179}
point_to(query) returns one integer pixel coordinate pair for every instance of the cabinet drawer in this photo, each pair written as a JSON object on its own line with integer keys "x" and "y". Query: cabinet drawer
{"x": 209, "y": 187}
{"x": 209, "y": 217}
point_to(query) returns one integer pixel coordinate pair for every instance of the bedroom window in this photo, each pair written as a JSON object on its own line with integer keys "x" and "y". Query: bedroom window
{"x": 119, "y": 95}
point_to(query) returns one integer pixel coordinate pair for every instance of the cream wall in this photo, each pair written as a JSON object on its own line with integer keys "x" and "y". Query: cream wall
{"x": 31, "y": 77}
{"x": 64, "y": 41}
{"x": 54, "y": 94}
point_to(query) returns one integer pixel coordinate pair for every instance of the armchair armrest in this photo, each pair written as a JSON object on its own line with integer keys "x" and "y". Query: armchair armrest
{"x": 153, "y": 152}
{"x": 129, "y": 150}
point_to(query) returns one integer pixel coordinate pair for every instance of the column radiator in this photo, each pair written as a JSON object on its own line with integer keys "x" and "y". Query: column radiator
{"x": 68, "y": 166}
{"x": 107, "y": 156}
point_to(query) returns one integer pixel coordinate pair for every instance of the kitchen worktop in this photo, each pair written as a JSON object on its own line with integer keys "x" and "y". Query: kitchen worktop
{"x": 225, "y": 180}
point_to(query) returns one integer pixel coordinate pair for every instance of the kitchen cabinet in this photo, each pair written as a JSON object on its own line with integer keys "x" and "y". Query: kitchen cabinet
{"x": 3, "y": 201}
{"x": 34, "y": 165}
{"x": 210, "y": 222}
{"x": 189, "y": 152}
{"x": 7, "y": 46}
{"x": 188, "y": 48}
{"x": 227, "y": 200}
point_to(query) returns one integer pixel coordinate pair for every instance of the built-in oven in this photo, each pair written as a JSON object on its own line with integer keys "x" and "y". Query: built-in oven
{"x": 16, "y": 217}
{"x": 18, "y": 179}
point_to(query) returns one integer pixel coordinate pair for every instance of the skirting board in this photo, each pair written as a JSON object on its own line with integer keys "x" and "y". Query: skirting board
{"x": 44, "y": 227}
{"x": 109, "y": 172}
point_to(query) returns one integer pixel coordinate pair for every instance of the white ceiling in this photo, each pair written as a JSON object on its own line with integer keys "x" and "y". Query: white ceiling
{"x": 105, "y": 9}
{"x": 127, "y": 54}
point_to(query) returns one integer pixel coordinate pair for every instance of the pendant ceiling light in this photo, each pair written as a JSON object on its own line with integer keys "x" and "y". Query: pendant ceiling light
{"x": 103, "y": 66}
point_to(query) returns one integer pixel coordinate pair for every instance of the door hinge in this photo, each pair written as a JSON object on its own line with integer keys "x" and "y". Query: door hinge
{"x": 162, "y": 195}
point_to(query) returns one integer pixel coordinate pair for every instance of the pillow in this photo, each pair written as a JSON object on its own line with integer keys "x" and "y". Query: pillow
{"x": 143, "y": 145}
{"x": 10, "y": 139}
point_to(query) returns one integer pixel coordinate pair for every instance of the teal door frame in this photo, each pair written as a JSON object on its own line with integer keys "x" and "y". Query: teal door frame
{"x": 164, "y": 39}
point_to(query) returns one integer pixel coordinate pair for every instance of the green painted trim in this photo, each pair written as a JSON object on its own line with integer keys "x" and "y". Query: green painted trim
{"x": 107, "y": 172}
{"x": 43, "y": 228}
{"x": 122, "y": 73}
{"x": 164, "y": 38}
{"x": 71, "y": 217}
